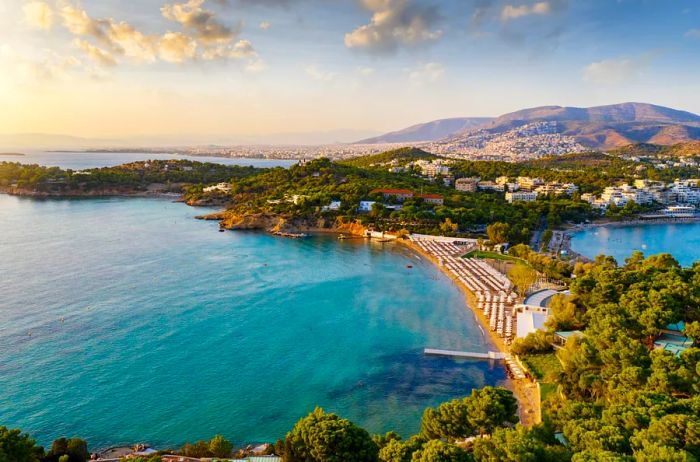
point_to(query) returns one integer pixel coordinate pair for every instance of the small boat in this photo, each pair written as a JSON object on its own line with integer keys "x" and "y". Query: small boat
{"x": 409, "y": 266}
{"x": 222, "y": 230}
{"x": 342, "y": 236}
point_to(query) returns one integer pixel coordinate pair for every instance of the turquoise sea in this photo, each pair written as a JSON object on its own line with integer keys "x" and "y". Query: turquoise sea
{"x": 681, "y": 240}
{"x": 126, "y": 320}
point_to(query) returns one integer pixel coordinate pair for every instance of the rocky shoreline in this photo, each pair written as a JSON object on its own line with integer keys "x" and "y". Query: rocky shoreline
{"x": 283, "y": 224}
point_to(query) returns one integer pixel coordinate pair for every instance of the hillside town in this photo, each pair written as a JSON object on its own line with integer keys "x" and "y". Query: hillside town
{"x": 532, "y": 140}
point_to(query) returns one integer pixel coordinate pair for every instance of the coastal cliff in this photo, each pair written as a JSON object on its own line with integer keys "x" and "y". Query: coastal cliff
{"x": 276, "y": 223}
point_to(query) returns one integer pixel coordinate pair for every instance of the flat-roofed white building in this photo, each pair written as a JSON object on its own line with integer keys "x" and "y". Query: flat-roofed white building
{"x": 521, "y": 196}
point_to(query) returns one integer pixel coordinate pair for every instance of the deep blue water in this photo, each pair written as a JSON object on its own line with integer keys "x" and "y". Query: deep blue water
{"x": 680, "y": 240}
{"x": 83, "y": 160}
{"x": 173, "y": 331}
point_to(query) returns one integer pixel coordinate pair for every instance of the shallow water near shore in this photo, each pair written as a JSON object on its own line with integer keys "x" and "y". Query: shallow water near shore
{"x": 126, "y": 320}
{"x": 682, "y": 240}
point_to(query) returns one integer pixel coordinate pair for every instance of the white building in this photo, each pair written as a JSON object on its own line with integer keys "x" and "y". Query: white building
{"x": 523, "y": 196}
{"x": 334, "y": 205}
{"x": 467, "y": 184}
{"x": 366, "y": 206}
{"x": 557, "y": 189}
{"x": 490, "y": 186}
{"x": 221, "y": 187}
{"x": 528, "y": 183}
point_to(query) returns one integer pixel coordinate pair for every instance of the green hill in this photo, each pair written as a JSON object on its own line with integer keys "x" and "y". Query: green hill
{"x": 402, "y": 156}
{"x": 689, "y": 149}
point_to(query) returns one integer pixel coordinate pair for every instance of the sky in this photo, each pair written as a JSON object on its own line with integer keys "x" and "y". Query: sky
{"x": 250, "y": 69}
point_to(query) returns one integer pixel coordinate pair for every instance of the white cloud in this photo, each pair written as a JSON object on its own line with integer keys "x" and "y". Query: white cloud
{"x": 203, "y": 37}
{"x": 38, "y": 15}
{"x": 616, "y": 70}
{"x": 365, "y": 71}
{"x": 176, "y": 47}
{"x": 394, "y": 23}
{"x": 100, "y": 56}
{"x": 238, "y": 50}
{"x": 510, "y": 12}
{"x": 265, "y": 25}
{"x": 315, "y": 73}
{"x": 693, "y": 33}
{"x": 426, "y": 73}
{"x": 203, "y": 23}
{"x": 51, "y": 66}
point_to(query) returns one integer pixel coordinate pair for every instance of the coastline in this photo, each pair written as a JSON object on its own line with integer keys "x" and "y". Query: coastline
{"x": 527, "y": 407}
{"x": 634, "y": 222}
{"x": 96, "y": 195}
{"x": 354, "y": 230}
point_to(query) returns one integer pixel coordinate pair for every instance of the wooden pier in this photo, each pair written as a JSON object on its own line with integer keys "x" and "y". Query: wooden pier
{"x": 493, "y": 355}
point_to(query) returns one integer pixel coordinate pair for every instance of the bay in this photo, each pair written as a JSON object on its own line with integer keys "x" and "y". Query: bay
{"x": 126, "y": 320}
{"x": 682, "y": 240}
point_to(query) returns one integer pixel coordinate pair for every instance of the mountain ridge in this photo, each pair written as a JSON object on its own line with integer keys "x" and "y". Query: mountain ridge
{"x": 427, "y": 131}
{"x": 598, "y": 127}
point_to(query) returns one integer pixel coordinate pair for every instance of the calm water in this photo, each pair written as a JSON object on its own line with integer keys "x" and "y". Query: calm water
{"x": 82, "y": 160}
{"x": 173, "y": 331}
{"x": 680, "y": 240}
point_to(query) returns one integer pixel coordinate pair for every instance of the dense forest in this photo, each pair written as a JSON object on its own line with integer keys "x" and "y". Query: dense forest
{"x": 136, "y": 175}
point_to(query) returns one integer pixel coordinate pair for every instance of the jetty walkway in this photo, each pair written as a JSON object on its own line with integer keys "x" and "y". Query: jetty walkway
{"x": 512, "y": 364}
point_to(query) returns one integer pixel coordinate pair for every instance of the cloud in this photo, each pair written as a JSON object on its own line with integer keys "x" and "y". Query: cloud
{"x": 201, "y": 22}
{"x": 265, "y": 25}
{"x": 176, "y": 47}
{"x": 510, "y": 12}
{"x": 317, "y": 74}
{"x": 395, "y": 23}
{"x": 238, "y": 50}
{"x": 693, "y": 33}
{"x": 38, "y": 15}
{"x": 132, "y": 43}
{"x": 98, "y": 55}
{"x": 203, "y": 37}
{"x": 365, "y": 71}
{"x": 616, "y": 70}
{"x": 426, "y": 73}
{"x": 51, "y": 66}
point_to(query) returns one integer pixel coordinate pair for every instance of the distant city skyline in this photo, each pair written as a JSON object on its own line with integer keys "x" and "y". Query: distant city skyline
{"x": 245, "y": 69}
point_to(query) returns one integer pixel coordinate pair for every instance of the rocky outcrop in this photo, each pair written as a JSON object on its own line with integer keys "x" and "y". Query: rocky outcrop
{"x": 275, "y": 223}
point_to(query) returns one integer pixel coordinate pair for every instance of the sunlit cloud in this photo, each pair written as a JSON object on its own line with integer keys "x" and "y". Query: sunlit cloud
{"x": 49, "y": 66}
{"x": 265, "y": 25}
{"x": 514, "y": 12}
{"x": 98, "y": 55}
{"x": 38, "y": 14}
{"x": 202, "y": 23}
{"x": 395, "y": 23}
{"x": 176, "y": 47}
{"x": 203, "y": 37}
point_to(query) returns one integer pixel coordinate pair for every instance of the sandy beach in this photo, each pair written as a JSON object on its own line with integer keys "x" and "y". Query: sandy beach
{"x": 525, "y": 392}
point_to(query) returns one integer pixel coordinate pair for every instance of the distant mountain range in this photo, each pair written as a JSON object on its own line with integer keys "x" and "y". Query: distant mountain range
{"x": 600, "y": 127}
{"x": 429, "y": 131}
